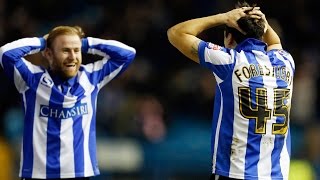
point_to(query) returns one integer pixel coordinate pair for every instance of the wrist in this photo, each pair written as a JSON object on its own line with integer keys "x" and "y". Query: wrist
{"x": 223, "y": 18}
{"x": 85, "y": 45}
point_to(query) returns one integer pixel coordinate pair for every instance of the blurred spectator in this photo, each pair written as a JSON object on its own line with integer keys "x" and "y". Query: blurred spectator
{"x": 150, "y": 117}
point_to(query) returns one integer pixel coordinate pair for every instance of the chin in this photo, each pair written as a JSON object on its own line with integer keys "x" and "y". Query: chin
{"x": 69, "y": 75}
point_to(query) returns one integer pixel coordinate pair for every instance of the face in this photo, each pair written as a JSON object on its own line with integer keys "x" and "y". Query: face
{"x": 65, "y": 55}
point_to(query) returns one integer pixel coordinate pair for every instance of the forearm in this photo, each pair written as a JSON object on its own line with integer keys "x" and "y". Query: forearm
{"x": 13, "y": 52}
{"x": 108, "y": 48}
{"x": 271, "y": 38}
{"x": 183, "y": 36}
{"x": 196, "y": 26}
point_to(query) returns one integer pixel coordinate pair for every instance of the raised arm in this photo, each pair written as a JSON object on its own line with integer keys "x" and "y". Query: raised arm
{"x": 112, "y": 49}
{"x": 183, "y": 36}
{"x": 116, "y": 58}
{"x": 270, "y": 36}
{"x": 12, "y": 56}
{"x": 272, "y": 39}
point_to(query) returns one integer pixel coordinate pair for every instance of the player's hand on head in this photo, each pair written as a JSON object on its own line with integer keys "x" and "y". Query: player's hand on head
{"x": 234, "y": 15}
{"x": 258, "y": 14}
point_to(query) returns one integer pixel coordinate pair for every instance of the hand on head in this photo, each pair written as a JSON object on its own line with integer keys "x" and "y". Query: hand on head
{"x": 258, "y": 14}
{"x": 234, "y": 15}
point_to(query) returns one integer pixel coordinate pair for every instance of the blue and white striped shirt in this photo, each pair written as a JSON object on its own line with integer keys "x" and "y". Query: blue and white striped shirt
{"x": 250, "y": 127}
{"x": 59, "y": 138}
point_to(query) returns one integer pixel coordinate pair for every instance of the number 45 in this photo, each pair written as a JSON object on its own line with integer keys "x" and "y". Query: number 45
{"x": 260, "y": 112}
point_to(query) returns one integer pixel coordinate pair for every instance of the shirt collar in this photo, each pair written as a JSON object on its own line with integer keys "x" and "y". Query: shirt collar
{"x": 251, "y": 44}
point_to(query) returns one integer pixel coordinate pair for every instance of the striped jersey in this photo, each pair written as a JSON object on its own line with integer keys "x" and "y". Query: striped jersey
{"x": 59, "y": 138}
{"x": 250, "y": 126}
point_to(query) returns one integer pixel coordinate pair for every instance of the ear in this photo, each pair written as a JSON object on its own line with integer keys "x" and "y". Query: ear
{"x": 46, "y": 53}
{"x": 229, "y": 41}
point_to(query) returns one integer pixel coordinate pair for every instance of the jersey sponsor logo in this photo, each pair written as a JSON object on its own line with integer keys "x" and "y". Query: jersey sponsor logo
{"x": 63, "y": 113}
{"x": 46, "y": 81}
{"x": 214, "y": 46}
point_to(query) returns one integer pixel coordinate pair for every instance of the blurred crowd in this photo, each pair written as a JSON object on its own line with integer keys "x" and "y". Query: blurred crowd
{"x": 154, "y": 120}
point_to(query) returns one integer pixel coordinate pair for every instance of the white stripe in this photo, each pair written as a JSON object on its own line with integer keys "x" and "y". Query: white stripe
{"x": 240, "y": 128}
{"x": 39, "y": 135}
{"x": 66, "y": 150}
{"x": 214, "y": 158}
{"x": 22, "y": 43}
{"x": 18, "y": 44}
{"x": 21, "y": 153}
{"x": 267, "y": 140}
{"x": 96, "y": 66}
{"x": 285, "y": 160}
{"x": 284, "y": 156}
{"x": 33, "y": 68}
{"x": 66, "y": 136}
{"x": 95, "y": 41}
{"x": 217, "y": 57}
{"x": 19, "y": 82}
{"x": 108, "y": 78}
{"x": 21, "y": 158}
{"x": 86, "y": 122}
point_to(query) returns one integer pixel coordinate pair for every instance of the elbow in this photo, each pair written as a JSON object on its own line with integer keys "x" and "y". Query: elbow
{"x": 129, "y": 55}
{"x": 172, "y": 35}
{"x": 132, "y": 55}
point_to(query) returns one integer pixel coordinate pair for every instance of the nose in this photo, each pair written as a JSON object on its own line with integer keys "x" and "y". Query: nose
{"x": 72, "y": 55}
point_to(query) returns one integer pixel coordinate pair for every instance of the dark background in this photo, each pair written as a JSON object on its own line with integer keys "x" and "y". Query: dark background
{"x": 154, "y": 121}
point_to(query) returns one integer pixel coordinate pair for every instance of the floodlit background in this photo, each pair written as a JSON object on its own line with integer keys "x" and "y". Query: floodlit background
{"x": 154, "y": 121}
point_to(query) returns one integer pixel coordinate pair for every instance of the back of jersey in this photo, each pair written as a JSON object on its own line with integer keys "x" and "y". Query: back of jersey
{"x": 251, "y": 112}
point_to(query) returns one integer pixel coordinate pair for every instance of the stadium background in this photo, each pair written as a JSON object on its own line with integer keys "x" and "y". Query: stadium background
{"x": 154, "y": 120}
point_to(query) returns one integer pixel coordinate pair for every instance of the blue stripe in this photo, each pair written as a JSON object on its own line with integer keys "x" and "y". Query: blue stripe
{"x": 30, "y": 96}
{"x": 78, "y": 137}
{"x": 279, "y": 141}
{"x": 53, "y": 136}
{"x": 201, "y": 48}
{"x": 92, "y": 134}
{"x": 226, "y": 128}
{"x": 118, "y": 56}
{"x": 13, "y": 57}
{"x": 253, "y": 140}
{"x": 216, "y": 112}
{"x": 288, "y": 143}
{"x": 10, "y": 61}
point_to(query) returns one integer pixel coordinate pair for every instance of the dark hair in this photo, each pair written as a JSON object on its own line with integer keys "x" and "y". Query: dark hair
{"x": 254, "y": 28}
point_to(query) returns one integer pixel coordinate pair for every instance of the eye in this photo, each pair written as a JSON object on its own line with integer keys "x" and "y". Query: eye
{"x": 65, "y": 50}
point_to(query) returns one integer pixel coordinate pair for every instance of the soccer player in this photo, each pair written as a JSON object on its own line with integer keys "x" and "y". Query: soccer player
{"x": 250, "y": 126}
{"x": 59, "y": 138}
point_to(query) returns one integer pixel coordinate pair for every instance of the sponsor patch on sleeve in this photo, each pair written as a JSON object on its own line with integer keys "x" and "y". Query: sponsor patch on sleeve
{"x": 214, "y": 46}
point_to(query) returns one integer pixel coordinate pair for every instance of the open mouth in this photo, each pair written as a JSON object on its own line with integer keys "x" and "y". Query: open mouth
{"x": 70, "y": 65}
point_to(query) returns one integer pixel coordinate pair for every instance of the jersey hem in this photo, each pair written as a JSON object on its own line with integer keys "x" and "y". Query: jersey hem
{"x": 65, "y": 175}
{"x": 238, "y": 176}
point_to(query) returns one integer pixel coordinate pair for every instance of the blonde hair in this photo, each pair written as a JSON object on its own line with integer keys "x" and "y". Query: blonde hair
{"x": 64, "y": 30}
